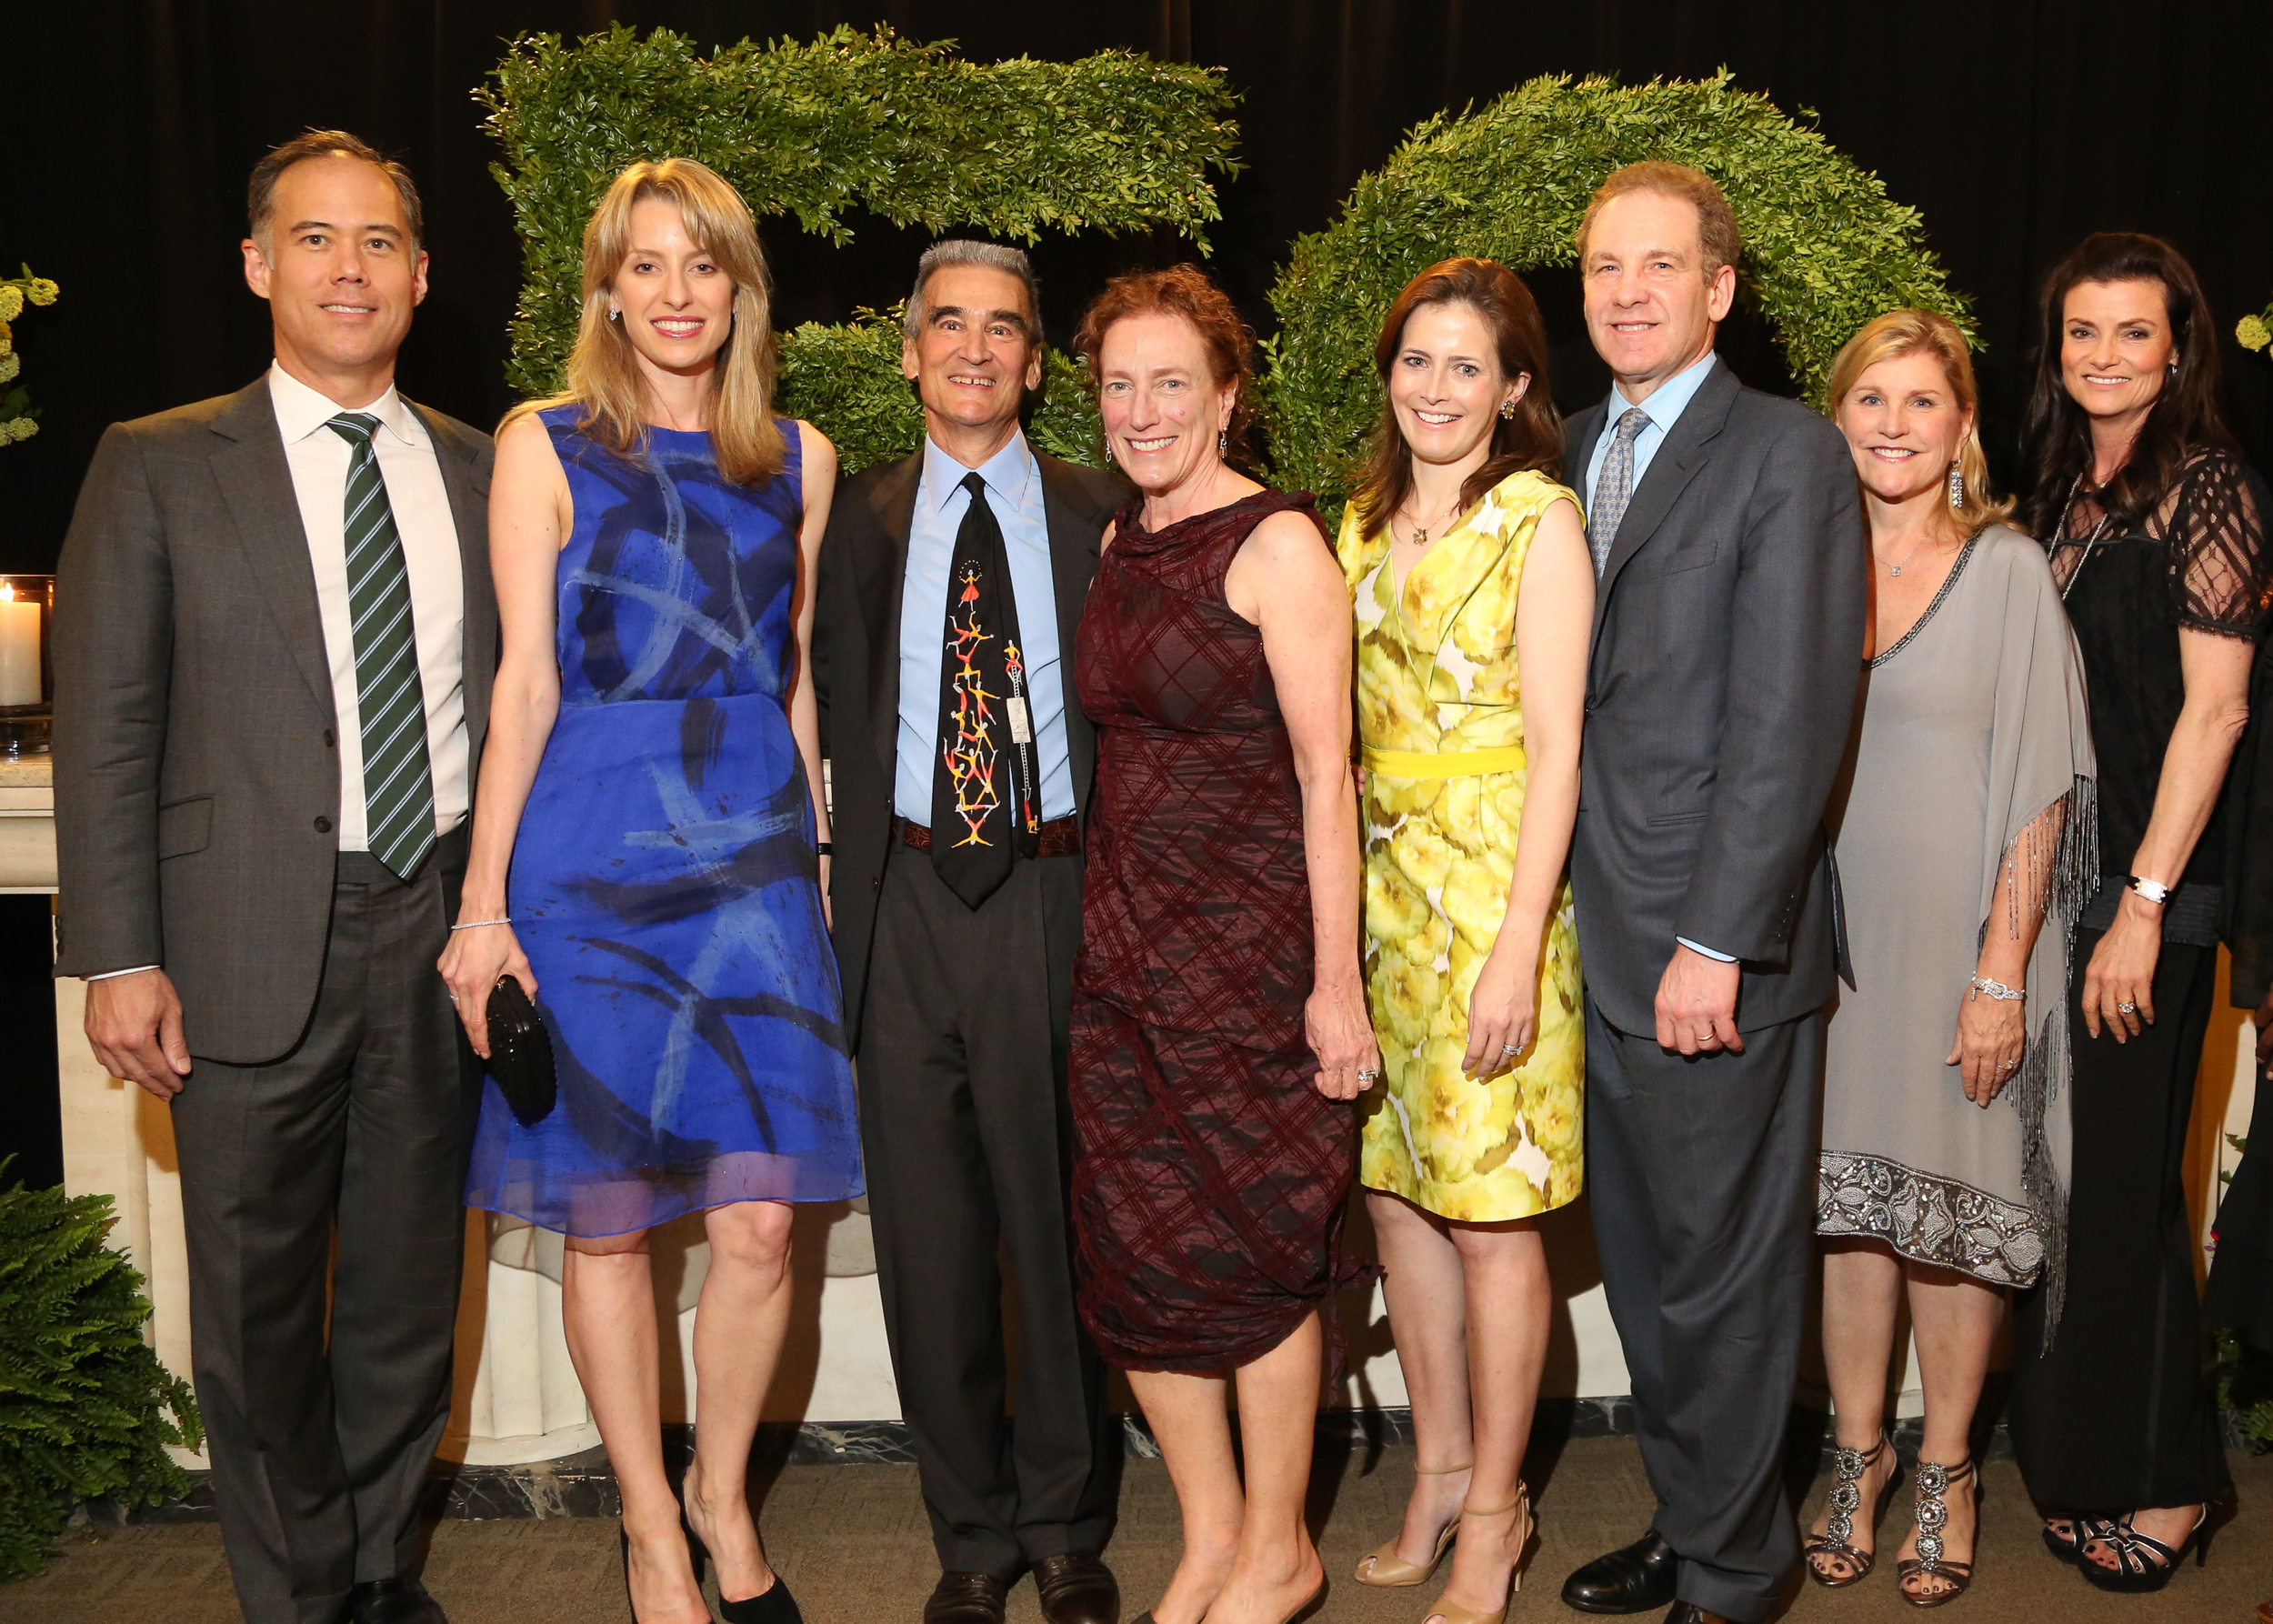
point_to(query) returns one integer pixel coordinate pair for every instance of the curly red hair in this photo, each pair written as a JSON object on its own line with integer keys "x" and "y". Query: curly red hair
{"x": 1184, "y": 291}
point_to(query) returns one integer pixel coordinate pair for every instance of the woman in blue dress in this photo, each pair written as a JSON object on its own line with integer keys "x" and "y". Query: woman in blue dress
{"x": 647, "y": 851}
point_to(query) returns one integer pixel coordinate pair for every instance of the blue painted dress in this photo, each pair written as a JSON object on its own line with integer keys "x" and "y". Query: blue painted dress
{"x": 664, "y": 883}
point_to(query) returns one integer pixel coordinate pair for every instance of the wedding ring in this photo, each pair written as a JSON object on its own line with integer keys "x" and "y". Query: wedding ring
{"x": 1365, "y": 1075}
{"x": 1506, "y": 1049}
{"x": 2127, "y": 1008}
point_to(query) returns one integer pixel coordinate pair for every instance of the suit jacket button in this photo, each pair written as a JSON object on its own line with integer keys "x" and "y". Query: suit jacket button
{"x": 330, "y": 739}
{"x": 323, "y": 826}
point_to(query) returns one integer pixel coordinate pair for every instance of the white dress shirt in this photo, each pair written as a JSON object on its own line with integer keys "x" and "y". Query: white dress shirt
{"x": 318, "y": 459}
{"x": 1663, "y": 409}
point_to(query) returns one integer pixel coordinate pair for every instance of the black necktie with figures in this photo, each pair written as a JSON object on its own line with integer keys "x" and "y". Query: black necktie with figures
{"x": 984, "y": 803}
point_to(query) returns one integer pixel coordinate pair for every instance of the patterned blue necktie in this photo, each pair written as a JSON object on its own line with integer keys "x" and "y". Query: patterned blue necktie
{"x": 398, "y": 785}
{"x": 1615, "y": 488}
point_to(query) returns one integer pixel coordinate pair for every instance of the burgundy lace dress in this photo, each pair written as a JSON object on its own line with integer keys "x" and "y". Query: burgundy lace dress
{"x": 1210, "y": 1172}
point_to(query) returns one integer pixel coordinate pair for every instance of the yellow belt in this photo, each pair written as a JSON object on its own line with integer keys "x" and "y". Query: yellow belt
{"x": 1449, "y": 764}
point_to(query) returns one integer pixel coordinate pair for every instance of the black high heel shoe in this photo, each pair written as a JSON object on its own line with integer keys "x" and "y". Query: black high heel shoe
{"x": 2144, "y": 1563}
{"x": 772, "y": 1605}
{"x": 2081, "y": 1531}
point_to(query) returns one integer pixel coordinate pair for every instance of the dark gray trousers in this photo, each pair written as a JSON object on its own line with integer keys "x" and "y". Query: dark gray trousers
{"x": 1701, "y": 1177}
{"x": 966, "y": 1132}
{"x": 346, "y": 1160}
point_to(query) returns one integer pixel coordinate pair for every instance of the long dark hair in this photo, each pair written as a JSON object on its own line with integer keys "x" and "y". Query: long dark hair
{"x": 2184, "y": 420}
{"x": 1532, "y": 438}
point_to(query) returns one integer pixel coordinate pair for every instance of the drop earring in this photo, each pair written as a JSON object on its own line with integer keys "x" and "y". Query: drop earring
{"x": 1223, "y": 442}
{"x": 614, "y": 314}
{"x": 1957, "y": 485}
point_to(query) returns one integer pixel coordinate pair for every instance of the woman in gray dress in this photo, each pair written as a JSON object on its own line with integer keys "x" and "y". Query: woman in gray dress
{"x": 1964, "y": 847}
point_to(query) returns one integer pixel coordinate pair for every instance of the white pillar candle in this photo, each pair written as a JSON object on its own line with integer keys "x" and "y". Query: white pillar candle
{"x": 19, "y": 649}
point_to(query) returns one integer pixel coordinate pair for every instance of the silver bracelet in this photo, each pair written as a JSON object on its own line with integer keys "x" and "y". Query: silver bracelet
{"x": 477, "y": 923}
{"x": 1996, "y": 990}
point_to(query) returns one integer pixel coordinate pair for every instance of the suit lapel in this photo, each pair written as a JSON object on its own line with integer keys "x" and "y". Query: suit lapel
{"x": 255, "y": 482}
{"x": 1585, "y": 429}
{"x": 469, "y": 514}
{"x": 1073, "y": 556}
{"x": 1074, "y": 541}
{"x": 1685, "y": 450}
{"x": 893, "y": 504}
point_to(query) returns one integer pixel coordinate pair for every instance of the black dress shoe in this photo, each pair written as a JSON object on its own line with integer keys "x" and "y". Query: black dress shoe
{"x": 965, "y": 1598}
{"x": 1078, "y": 1591}
{"x": 1633, "y": 1578}
{"x": 394, "y": 1601}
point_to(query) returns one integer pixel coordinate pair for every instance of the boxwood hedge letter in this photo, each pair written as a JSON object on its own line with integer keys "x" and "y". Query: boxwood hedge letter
{"x": 1114, "y": 142}
{"x": 1825, "y": 249}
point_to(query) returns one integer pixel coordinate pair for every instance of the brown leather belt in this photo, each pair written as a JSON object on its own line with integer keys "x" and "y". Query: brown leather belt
{"x": 1060, "y": 836}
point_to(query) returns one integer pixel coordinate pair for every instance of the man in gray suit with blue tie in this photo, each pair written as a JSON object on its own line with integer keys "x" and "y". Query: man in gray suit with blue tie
{"x": 1728, "y": 631}
{"x": 274, "y": 636}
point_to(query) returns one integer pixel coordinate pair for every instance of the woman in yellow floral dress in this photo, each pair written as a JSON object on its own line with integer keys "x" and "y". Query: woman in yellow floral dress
{"x": 1475, "y": 602}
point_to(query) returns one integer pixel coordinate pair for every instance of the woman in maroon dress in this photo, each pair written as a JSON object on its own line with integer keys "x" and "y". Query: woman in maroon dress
{"x": 1219, "y": 1029}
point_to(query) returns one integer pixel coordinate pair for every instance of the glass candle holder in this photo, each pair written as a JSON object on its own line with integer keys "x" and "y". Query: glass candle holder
{"x": 27, "y": 667}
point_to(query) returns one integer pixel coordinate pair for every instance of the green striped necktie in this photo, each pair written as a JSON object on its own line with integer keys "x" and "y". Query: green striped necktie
{"x": 397, "y": 787}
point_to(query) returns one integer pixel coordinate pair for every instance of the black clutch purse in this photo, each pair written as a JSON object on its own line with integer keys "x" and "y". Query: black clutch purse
{"x": 520, "y": 1055}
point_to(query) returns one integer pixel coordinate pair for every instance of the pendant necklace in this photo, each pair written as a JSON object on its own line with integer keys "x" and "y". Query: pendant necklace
{"x": 1420, "y": 533}
{"x": 1895, "y": 569}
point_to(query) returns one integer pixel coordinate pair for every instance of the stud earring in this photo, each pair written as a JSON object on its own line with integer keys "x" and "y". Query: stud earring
{"x": 1507, "y": 411}
{"x": 1957, "y": 485}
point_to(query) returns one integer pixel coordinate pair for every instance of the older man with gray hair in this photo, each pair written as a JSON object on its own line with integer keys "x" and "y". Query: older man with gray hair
{"x": 950, "y": 587}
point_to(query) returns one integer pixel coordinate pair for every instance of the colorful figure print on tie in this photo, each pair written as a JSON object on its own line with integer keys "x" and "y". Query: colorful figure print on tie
{"x": 969, "y": 757}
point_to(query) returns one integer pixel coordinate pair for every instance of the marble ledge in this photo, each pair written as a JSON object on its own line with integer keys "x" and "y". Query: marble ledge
{"x": 28, "y": 772}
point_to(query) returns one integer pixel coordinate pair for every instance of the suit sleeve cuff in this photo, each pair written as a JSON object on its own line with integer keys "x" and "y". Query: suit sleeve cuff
{"x": 130, "y": 970}
{"x": 1701, "y": 947}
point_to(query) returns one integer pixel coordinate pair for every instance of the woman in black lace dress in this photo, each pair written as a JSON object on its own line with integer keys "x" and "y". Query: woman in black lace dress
{"x": 2157, "y": 534}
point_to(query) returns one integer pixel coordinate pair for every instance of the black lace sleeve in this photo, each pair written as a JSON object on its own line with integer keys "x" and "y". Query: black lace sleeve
{"x": 2216, "y": 526}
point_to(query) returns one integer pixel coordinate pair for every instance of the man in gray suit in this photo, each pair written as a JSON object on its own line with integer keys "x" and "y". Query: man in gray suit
{"x": 1728, "y": 628}
{"x": 274, "y": 636}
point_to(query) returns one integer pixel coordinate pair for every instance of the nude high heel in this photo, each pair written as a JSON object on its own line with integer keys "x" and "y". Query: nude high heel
{"x": 1387, "y": 1571}
{"x": 1460, "y": 1615}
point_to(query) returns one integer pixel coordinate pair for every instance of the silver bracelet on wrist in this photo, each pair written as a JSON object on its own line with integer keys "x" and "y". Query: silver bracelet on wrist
{"x": 2151, "y": 890}
{"x": 1984, "y": 988}
{"x": 477, "y": 923}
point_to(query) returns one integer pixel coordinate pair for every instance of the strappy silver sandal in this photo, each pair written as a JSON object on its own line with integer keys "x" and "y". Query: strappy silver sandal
{"x": 1837, "y": 1540}
{"x": 1934, "y": 1483}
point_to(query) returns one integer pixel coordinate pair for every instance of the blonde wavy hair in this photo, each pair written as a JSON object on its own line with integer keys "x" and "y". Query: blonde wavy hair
{"x": 1900, "y": 332}
{"x": 604, "y": 375}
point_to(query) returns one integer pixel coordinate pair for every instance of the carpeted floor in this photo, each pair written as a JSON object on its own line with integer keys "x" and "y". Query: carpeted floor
{"x": 852, "y": 1541}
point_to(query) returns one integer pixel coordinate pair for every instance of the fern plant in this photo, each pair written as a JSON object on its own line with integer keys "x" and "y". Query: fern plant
{"x": 87, "y": 1410}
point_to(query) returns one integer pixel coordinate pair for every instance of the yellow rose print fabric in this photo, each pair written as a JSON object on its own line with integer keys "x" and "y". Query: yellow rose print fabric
{"x": 1436, "y": 676}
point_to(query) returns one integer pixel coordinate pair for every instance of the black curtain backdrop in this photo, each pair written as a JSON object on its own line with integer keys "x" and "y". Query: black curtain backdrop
{"x": 2014, "y": 126}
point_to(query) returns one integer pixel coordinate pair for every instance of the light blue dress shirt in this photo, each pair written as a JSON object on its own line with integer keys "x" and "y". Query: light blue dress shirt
{"x": 1014, "y": 490}
{"x": 1665, "y": 406}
